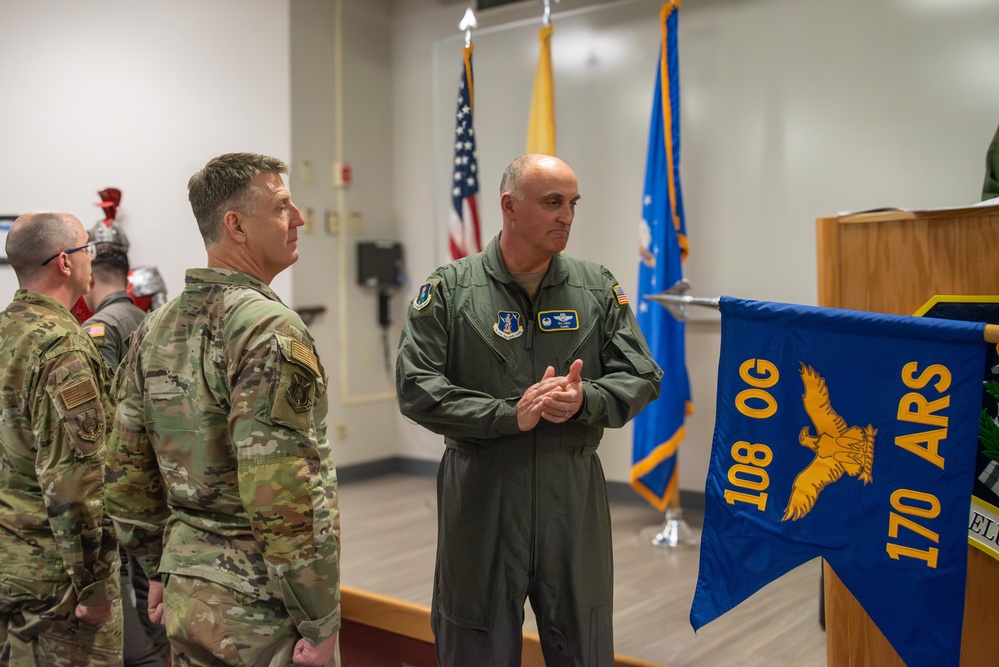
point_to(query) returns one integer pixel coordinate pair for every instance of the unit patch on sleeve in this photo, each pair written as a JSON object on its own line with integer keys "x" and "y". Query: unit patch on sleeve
{"x": 558, "y": 320}
{"x": 622, "y": 298}
{"x": 89, "y": 426}
{"x": 299, "y": 393}
{"x": 422, "y": 299}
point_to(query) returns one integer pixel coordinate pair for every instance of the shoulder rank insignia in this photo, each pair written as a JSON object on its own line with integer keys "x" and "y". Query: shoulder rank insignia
{"x": 508, "y": 325}
{"x": 95, "y": 330}
{"x": 299, "y": 393}
{"x": 558, "y": 320}
{"x": 622, "y": 298}
{"x": 88, "y": 425}
{"x": 422, "y": 299}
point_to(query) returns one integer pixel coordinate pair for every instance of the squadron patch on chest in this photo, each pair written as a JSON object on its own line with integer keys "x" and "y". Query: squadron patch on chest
{"x": 558, "y": 320}
{"x": 299, "y": 393}
{"x": 508, "y": 324}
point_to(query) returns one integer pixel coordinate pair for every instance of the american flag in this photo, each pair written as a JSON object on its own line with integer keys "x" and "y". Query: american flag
{"x": 464, "y": 218}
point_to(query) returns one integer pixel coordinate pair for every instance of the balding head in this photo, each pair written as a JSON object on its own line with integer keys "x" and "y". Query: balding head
{"x": 34, "y": 237}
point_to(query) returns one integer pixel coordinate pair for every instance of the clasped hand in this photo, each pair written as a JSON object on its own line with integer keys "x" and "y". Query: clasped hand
{"x": 555, "y": 398}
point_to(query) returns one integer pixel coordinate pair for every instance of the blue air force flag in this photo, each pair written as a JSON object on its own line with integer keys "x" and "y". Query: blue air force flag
{"x": 659, "y": 429}
{"x": 850, "y": 436}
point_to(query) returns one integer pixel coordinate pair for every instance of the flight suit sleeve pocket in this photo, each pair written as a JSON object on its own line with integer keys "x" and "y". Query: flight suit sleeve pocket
{"x": 299, "y": 384}
{"x": 636, "y": 355}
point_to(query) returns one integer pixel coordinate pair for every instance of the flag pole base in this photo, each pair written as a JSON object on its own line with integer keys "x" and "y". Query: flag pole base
{"x": 675, "y": 532}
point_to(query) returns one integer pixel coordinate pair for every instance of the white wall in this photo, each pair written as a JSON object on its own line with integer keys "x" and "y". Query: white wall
{"x": 352, "y": 345}
{"x": 791, "y": 110}
{"x": 138, "y": 96}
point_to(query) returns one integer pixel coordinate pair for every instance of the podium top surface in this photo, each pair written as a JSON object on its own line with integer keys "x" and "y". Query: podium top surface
{"x": 884, "y": 215}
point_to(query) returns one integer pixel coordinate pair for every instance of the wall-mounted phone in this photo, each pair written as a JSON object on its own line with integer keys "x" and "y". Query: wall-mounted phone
{"x": 380, "y": 265}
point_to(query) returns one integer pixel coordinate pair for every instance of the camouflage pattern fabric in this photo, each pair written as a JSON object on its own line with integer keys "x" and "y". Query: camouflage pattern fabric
{"x": 39, "y": 629}
{"x": 53, "y": 425}
{"x": 112, "y": 324}
{"x": 207, "y": 622}
{"x": 218, "y": 465}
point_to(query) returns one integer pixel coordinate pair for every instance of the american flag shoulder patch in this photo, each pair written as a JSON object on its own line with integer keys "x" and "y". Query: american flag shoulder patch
{"x": 622, "y": 298}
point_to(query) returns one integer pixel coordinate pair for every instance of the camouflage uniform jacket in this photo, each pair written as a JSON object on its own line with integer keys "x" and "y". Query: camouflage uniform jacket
{"x": 53, "y": 425}
{"x": 218, "y": 464}
{"x": 111, "y": 324}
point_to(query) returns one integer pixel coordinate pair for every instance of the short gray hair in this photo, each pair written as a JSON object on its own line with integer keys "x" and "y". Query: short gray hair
{"x": 224, "y": 185}
{"x": 512, "y": 180}
{"x": 33, "y": 238}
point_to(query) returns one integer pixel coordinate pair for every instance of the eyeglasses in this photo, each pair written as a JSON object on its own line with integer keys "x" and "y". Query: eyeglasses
{"x": 89, "y": 247}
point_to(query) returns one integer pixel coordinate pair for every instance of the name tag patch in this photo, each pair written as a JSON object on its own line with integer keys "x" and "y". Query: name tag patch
{"x": 558, "y": 320}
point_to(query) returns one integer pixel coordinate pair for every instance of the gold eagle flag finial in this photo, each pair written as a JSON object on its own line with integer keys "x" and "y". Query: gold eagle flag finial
{"x": 837, "y": 448}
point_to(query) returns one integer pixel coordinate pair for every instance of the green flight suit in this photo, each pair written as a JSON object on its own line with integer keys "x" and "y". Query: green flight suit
{"x": 145, "y": 644}
{"x": 55, "y": 549}
{"x": 521, "y": 514}
{"x": 990, "y": 188}
{"x": 219, "y": 469}
{"x": 111, "y": 325}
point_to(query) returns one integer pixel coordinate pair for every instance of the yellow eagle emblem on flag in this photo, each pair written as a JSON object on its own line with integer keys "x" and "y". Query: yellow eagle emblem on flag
{"x": 837, "y": 448}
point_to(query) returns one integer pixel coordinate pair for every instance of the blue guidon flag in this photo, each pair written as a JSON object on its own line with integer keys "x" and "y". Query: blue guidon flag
{"x": 851, "y": 436}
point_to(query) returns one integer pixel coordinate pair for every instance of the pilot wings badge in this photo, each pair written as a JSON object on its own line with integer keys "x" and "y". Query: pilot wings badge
{"x": 837, "y": 448}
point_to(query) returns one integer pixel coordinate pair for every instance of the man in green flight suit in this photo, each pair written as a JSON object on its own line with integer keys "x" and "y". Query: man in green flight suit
{"x": 219, "y": 476}
{"x": 990, "y": 188}
{"x": 59, "y": 593}
{"x": 115, "y": 315}
{"x": 520, "y": 356}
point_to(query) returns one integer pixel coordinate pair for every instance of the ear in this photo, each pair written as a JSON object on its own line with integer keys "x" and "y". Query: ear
{"x": 64, "y": 263}
{"x": 233, "y": 224}
{"x": 91, "y": 280}
{"x": 507, "y": 202}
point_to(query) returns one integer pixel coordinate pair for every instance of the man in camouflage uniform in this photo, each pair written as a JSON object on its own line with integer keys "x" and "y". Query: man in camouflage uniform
{"x": 114, "y": 319}
{"x": 59, "y": 599}
{"x": 219, "y": 473}
{"x": 520, "y": 356}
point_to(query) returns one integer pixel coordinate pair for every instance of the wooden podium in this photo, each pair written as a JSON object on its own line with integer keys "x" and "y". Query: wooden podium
{"x": 894, "y": 262}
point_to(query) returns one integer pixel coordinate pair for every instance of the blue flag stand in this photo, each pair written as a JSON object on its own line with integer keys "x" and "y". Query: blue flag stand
{"x": 674, "y": 532}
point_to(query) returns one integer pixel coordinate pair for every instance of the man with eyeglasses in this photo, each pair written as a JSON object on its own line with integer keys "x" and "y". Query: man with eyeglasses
{"x": 59, "y": 587}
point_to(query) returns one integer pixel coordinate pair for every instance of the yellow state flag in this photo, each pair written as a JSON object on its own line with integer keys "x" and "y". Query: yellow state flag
{"x": 541, "y": 125}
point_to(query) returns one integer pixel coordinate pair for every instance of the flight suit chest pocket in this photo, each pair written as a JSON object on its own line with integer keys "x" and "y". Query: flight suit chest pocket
{"x": 300, "y": 385}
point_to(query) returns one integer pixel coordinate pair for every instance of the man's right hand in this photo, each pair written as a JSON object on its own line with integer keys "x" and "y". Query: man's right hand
{"x": 97, "y": 614}
{"x": 532, "y": 404}
{"x": 315, "y": 655}
{"x": 154, "y": 601}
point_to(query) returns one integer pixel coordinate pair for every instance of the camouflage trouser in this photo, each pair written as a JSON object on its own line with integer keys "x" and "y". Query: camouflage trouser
{"x": 38, "y": 628}
{"x": 211, "y": 625}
